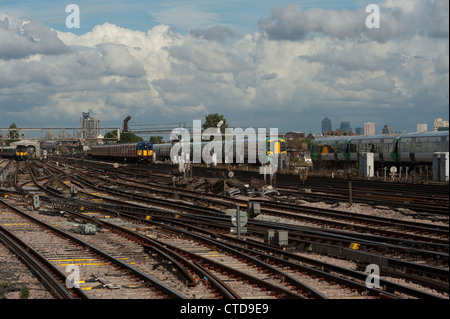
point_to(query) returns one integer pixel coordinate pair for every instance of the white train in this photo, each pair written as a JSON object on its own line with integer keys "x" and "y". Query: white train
{"x": 403, "y": 148}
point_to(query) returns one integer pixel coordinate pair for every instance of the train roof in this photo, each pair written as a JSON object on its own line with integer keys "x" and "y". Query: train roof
{"x": 381, "y": 136}
{"x": 266, "y": 139}
{"x": 331, "y": 138}
{"x": 426, "y": 134}
{"x": 116, "y": 144}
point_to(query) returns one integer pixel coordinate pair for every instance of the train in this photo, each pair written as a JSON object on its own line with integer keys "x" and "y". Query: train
{"x": 272, "y": 145}
{"x": 141, "y": 151}
{"x": 19, "y": 152}
{"x": 407, "y": 148}
{"x": 146, "y": 151}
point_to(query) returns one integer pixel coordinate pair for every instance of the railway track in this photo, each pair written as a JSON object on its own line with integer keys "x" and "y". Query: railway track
{"x": 64, "y": 181}
{"x": 102, "y": 273}
{"x": 240, "y": 270}
{"x": 266, "y": 288}
{"x": 425, "y": 198}
{"x": 440, "y": 248}
{"x": 333, "y": 218}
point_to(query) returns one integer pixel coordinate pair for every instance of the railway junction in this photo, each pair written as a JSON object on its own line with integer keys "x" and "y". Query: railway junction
{"x": 91, "y": 229}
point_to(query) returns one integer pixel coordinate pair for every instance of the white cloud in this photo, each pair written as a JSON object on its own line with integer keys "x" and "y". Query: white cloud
{"x": 257, "y": 79}
{"x": 398, "y": 18}
{"x": 21, "y": 39}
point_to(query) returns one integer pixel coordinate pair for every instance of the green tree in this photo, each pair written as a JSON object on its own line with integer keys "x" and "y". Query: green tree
{"x": 125, "y": 137}
{"x": 211, "y": 120}
{"x": 156, "y": 140}
{"x": 130, "y": 138}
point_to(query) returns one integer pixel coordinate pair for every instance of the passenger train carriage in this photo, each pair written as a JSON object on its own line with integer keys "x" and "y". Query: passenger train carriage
{"x": 142, "y": 151}
{"x": 403, "y": 148}
{"x": 273, "y": 145}
{"x": 19, "y": 152}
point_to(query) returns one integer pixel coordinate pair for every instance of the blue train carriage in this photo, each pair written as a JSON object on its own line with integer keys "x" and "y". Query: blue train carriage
{"x": 419, "y": 147}
{"x": 144, "y": 151}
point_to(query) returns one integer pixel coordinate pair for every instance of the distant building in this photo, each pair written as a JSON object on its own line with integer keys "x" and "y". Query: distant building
{"x": 326, "y": 125}
{"x": 90, "y": 126}
{"x": 345, "y": 127}
{"x": 386, "y": 130}
{"x": 422, "y": 128}
{"x": 294, "y": 143}
{"x": 359, "y": 131}
{"x": 439, "y": 123}
{"x": 369, "y": 128}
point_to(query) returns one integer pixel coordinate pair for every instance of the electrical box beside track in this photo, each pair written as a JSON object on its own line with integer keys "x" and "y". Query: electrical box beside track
{"x": 366, "y": 165}
{"x": 36, "y": 202}
{"x": 441, "y": 166}
{"x": 86, "y": 229}
{"x": 254, "y": 209}
{"x": 276, "y": 237}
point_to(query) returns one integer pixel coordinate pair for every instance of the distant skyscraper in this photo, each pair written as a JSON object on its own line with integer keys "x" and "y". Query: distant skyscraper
{"x": 386, "y": 130}
{"x": 326, "y": 125}
{"x": 359, "y": 131}
{"x": 439, "y": 123}
{"x": 422, "y": 128}
{"x": 90, "y": 126}
{"x": 345, "y": 127}
{"x": 369, "y": 128}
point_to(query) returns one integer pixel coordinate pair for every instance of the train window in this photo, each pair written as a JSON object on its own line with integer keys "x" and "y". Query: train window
{"x": 446, "y": 146}
{"x": 367, "y": 148}
{"x": 376, "y": 147}
{"x": 341, "y": 147}
{"x": 419, "y": 147}
{"x": 404, "y": 146}
{"x": 388, "y": 147}
{"x": 433, "y": 147}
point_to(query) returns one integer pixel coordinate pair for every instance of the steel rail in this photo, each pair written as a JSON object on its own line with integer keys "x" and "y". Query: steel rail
{"x": 274, "y": 208}
{"x": 43, "y": 268}
{"x": 170, "y": 292}
{"x": 367, "y": 256}
{"x": 176, "y": 260}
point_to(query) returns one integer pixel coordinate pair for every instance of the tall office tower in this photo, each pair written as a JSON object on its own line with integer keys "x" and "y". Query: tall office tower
{"x": 345, "y": 127}
{"x": 359, "y": 131}
{"x": 369, "y": 128}
{"x": 326, "y": 125}
{"x": 422, "y": 128}
{"x": 386, "y": 130}
{"x": 90, "y": 126}
{"x": 439, "y": 123}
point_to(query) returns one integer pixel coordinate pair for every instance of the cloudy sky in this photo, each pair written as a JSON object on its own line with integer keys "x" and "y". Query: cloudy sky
{"x": 281, "y": 64}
